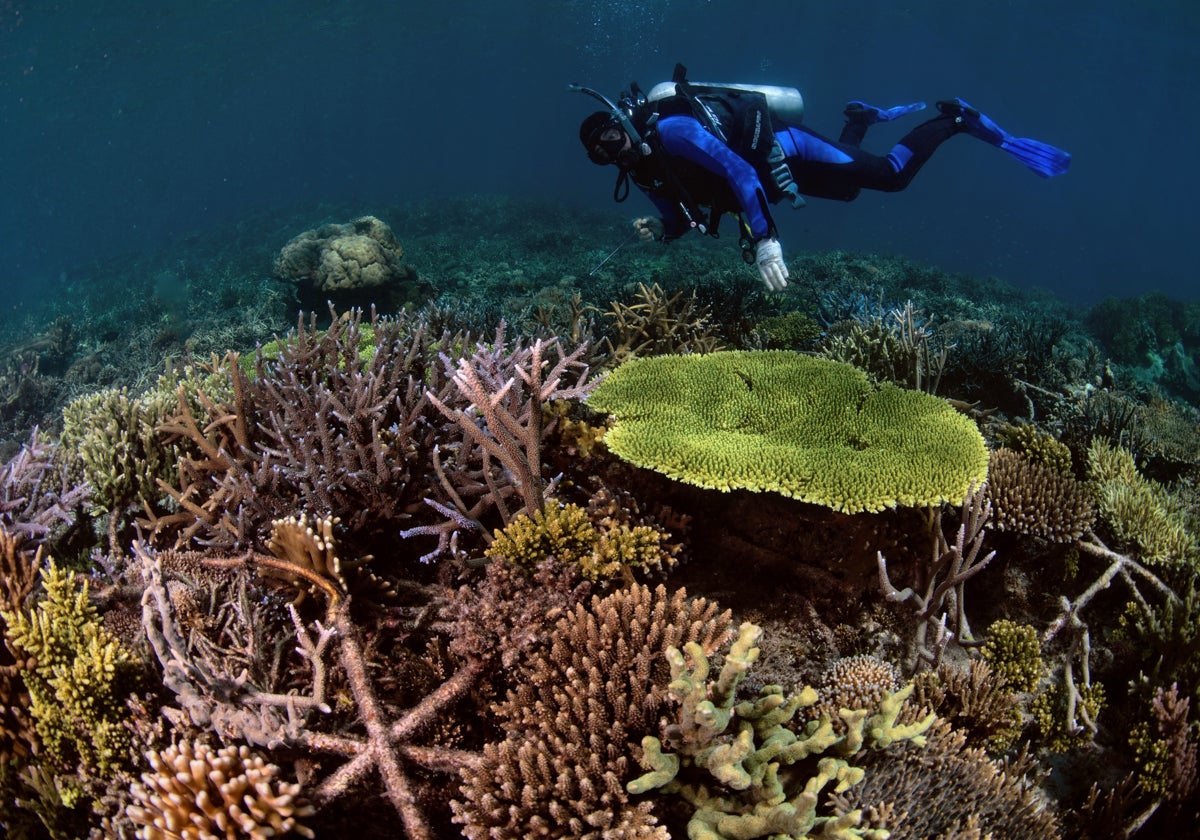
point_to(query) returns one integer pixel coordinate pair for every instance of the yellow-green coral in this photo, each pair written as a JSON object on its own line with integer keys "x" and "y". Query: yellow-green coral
{"x": 1142, "y": 513}
{"x": 75, "y": 689}
{"x": 1013, "y": 652}
{"x": 807, "y": 428}
{"x": 113, "y": 440}
{"x": 1049, "y": 710}
{"x": 735, "y": 763}
{"x": 567, "y": 533}
{"x": 1039, "y": 446}
{"x": 1152, "y": 760}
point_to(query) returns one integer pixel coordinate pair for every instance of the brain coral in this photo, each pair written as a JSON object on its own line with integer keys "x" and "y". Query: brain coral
{"x": 342, "y": 260}
{"x": 808, "y": 428}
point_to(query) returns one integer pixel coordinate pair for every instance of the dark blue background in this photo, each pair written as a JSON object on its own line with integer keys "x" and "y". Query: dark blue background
{"x": 127, "y": 125}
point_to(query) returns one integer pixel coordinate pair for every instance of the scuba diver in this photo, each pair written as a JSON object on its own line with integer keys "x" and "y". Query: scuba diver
{"x": 701, "y": 150}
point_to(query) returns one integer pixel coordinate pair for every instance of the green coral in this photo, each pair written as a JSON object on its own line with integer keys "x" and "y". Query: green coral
{"x": 75, "y": 690}
{"x": 789, "y": 331}
{"x": 1049, "y": 710}
{"x": 1142, "y": 513}
{"x": 807, "y": 428}
{"x": 1013, "y": 652}
{"x": 567, "y": 533}
{"x": 732, "y": 761}
{"x": 1152, "y": 758}
{"x": 113, "y": 441}
{"x": 1038, "y": 446}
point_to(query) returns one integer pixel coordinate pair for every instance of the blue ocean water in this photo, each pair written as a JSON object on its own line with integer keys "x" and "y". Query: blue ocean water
{"x": 127, "y": 124}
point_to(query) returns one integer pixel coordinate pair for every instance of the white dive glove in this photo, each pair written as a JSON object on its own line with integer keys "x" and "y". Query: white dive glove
{"x": 649, "y": 229}
{"x": 768, "y": 256}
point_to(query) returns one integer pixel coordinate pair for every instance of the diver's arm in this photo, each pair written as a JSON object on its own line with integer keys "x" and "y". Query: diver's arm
{"x": 686, "y": 138}
{"x": 674, "y": 225}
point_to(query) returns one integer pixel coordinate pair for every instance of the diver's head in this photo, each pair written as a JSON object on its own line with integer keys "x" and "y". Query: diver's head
{"x": 604, "y": 138}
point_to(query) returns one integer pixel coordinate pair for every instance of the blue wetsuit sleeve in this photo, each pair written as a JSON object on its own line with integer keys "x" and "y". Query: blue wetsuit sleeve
{"x": 686, "y": 138}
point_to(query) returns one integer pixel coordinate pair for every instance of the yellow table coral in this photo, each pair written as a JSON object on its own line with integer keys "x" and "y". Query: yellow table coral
{"x": 808, "y": 428}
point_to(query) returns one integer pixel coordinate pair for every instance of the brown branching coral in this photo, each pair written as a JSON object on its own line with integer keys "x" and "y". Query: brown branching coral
{"x": 337, "y": 423}
{"x": 197, "y": 792}
{"x": 947, "y": 789}
{"x": 18, "y": 577}
{"x": 657, "y": 323}
{"x": 1036, "y": 499}
{"x": 235, "y": 707}
{"x": 574, "y": 722}
{"x": 220, "y": 647}
{"x": 975, "y": 701}
{"x": 937, "y": 597}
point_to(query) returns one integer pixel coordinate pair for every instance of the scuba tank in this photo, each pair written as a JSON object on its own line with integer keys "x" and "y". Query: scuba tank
{"x": 786, "y": 103}
{"x": 742, "y": 116}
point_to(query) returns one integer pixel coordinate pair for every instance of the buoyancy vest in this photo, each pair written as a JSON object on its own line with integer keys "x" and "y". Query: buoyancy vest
{"x": 742, "y": 116}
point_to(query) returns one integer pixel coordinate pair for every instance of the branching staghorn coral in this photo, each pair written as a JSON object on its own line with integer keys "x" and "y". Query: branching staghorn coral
{"x": 938, "y": 596}
{"x": 498, "y": 410}
{"x": 601, "y": 550}
{"x": 235, "y": 708}
{"x": 37, "y": 498}
{"x": 1036, "y": 499}
{"x": 220, "y": 650}
{"x": 18, "y": 577}
{"x": 948, "y": 789}
{"x": 975, "y": 701}
{"x": 656, "y": 324}
{"x": 336, "y": 423}
{"x": 1144, "y": 516}
{"x": 898, "y": 346}
{"x": 1078, "y": 695}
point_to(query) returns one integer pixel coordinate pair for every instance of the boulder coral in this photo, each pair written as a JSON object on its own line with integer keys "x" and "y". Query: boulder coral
{"x": 350, "y": 263}
{"x": 808, "y": 428}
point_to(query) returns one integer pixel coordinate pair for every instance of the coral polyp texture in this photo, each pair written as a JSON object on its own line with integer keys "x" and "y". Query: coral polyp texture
{"x": 812, "y": 429}
{"x": 1033, "y": 498}
{"x": 198, "y": 792}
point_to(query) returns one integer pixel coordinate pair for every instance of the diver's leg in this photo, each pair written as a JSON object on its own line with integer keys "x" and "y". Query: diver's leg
{"x": 860, "y": 116}
{"x": 825, "y": 169}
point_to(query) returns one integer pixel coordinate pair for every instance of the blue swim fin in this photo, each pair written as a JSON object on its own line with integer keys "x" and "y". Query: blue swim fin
{"x": 857, "y": 110}
{"x": 1042, "y": 158}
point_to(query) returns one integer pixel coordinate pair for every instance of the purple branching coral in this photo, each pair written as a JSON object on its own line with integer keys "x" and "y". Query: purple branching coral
{"x": 36, "y": 497}
{"x": 338, "y": 424}
{"x": 495, "y": 465}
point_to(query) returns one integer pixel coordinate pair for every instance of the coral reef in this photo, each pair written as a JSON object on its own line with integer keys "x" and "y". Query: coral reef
{"x": 773, "y": 420}
{"x": 391, "y": 562}
{"x": 656, "y": 324}
{"x": 567, "y": 533}
{"x": 1013, "y": 652}
{"x": 77, "y": 684}
{"x": 977, "y": 796}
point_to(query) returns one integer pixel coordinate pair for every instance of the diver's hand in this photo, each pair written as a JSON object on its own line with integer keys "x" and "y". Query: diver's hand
{"x": 768, "y": 256}
{"x": 649, "y": 229}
